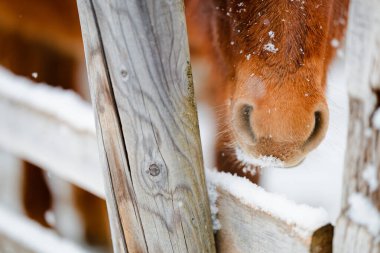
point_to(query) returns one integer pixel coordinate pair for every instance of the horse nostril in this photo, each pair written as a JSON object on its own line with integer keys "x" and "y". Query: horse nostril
{"x": 246, "y": 112}
{"x": 318, "y": 123}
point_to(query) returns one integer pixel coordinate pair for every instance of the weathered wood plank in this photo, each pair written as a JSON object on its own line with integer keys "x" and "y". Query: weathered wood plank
{"x": 50, "y": 139}
{"x": 21, "y": 235}
{"x": 138, "y": 67}
{"x": 246, "y": 224}
{"x": 357, "y": 229}
{"x": 253, "y": 230}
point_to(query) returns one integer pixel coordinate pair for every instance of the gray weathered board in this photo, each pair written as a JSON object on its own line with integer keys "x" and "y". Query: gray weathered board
{"x": 141, "y": 84}
{"x": 352, "y": 235}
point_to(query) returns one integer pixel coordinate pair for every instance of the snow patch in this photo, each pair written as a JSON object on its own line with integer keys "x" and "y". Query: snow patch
{"x": 376, "y": 119}
{"x": 335, "y": 43}
{"x": 63, "y": 104}
{"x": 362, "y": 211}
{"x": 261, "y": 161}
{"x": 370, "y": 176}
{"x": 270, "y": 47}
{"x": 271, "y": 34}
{"x": 33, "y": 236}
{"x": 213, "y": 196}
{"x": 304, "y": 219}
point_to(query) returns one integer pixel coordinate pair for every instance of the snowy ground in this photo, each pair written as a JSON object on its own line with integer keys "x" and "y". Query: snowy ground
{"x": 318, "y": 180}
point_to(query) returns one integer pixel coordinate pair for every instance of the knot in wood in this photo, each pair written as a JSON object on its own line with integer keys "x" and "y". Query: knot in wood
{"x": 124, "y": 74}
{"x": 154, "y": 170}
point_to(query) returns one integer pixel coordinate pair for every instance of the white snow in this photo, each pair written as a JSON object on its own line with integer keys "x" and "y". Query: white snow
{"x": 261, "y": 161}
{"x": 270, "y": 47}
{"x": 335, "y": 43}
{"x": 376, "y": 119}
{"x": 34, "y": 75}
{"x": 271, "y": 34}
{"x": 213, "y": 196}
{"x": 370, "y": 176}
{"x": 63, "y": 104}
{"x": 362, "y": 211}
{"x": 305, "y": 219}
{"x": 33, "y": 236}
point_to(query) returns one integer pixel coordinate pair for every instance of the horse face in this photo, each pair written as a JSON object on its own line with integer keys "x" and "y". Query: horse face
{"x": 281, "y": 119}
{"x": 269, "y": 62}
{"x": 277, "y": 53}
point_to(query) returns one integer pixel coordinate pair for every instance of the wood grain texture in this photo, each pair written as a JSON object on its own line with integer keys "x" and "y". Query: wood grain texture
{"x": 363, "y": 146}
{"x": 138, "y": 67}
{"x": 247, "y": 229}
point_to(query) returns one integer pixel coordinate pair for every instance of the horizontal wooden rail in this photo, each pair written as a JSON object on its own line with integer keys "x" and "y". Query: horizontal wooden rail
{"x": 51, "y": 128}
{"x": 245, "y": 223}
{"x": 253, "y": 220}
{"x": 21, "y": 235}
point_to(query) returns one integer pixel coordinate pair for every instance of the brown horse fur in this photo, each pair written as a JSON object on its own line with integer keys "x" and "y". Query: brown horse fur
{"x": 44, "y": 36}
{"x": 268, "y": 83}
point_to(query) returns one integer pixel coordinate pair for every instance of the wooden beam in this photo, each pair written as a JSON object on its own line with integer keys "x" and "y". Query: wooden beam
{"x": 358, "y": 227}
{"x": 141, "y": 84}
{"x": 18, "y": 234}
{"x": 61, "y": 141}
{"x": 248, "y": 225}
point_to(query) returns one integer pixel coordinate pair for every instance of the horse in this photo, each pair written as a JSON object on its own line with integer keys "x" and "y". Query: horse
{"x": 268, "y": 77}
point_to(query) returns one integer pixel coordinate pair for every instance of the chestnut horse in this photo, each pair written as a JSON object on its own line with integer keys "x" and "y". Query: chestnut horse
{"x": 268, "y": 83}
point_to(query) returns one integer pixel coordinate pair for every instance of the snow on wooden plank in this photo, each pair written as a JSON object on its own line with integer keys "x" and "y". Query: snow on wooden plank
{"x": 21, "y": 235}
{"x": 252, "y": 220}
{"x": 358, "y": 227}
{"x": 51, "y": 128}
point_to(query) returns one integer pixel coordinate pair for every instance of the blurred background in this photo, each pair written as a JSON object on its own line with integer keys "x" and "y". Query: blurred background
{"x": 41, "y": 45}
{"x": 47, "y": 137}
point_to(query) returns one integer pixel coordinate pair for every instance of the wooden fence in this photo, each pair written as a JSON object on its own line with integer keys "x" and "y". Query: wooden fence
{"x": 147, "y": 131}
{"x": 244, "y": 222}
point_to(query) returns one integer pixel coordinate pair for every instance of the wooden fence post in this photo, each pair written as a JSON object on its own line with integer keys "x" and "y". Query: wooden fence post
{"x": 140, "y": 78}
{"x": 358, "y": 227}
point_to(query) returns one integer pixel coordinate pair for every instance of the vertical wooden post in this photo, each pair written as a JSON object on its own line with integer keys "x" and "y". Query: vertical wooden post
{"x": 358, "y": 227}
{"x": 140, "y": 77}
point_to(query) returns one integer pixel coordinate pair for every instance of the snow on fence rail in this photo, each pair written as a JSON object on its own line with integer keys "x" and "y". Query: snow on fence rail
{"x": 51, "y": 128}
{"x": 21, "y": 235}
{"x": 246, "y": 221}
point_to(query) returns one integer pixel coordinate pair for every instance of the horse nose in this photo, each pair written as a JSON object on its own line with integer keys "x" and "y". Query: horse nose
{"x": 319, "y": 128}
{"x": 242, "y": 123}
{"x": 288, "y": 134}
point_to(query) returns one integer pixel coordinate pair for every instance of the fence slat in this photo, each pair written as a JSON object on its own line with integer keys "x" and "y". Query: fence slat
{"x": 140, "y": 77}
{"x": 358, "y": 227}
{"x": 18, "y": 234}
{"x": 66, "y": 147}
